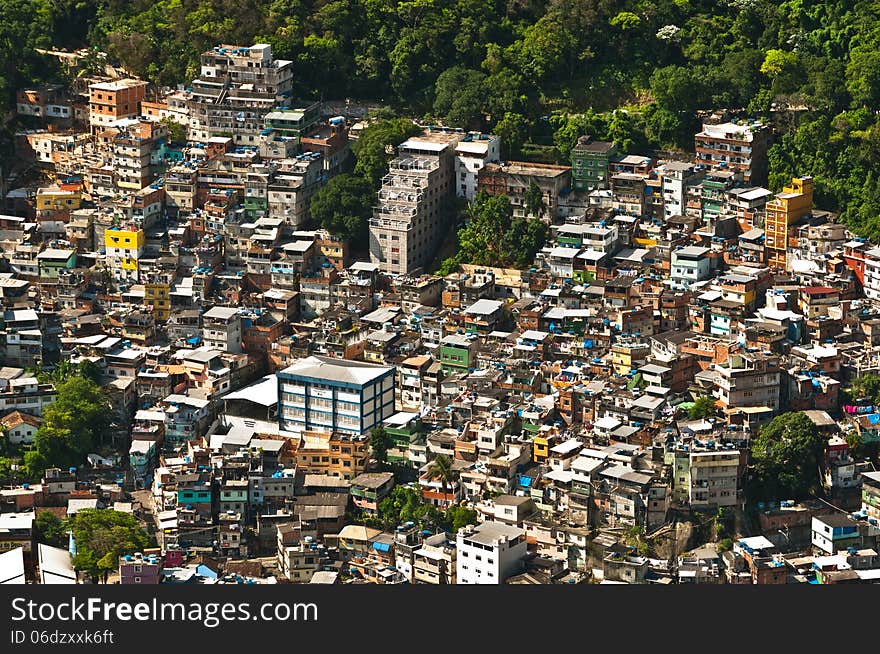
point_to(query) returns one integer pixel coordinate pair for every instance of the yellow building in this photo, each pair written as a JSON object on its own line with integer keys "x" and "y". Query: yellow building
{"x": 158, "y": 295}
{"x": 786, "y": 209}
{"x": 53, "y": 198}
{"x": 546, "y": 438}
{"x": 335, "y": 454}
{"x": 124, "y": 249}
{"x": 628, "y": 356}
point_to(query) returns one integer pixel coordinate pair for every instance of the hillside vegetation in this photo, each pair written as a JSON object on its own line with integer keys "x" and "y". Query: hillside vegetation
{"x": 534, "y": 71}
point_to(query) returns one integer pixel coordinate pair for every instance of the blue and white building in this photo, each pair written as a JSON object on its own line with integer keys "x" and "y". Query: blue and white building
{"x": 324, "y": 394}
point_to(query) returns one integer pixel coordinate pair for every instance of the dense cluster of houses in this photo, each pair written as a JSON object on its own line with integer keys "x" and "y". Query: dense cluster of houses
{"x": 249, "y": 361}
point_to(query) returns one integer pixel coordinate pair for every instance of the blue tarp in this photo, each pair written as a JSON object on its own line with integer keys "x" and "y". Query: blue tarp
{"x": 525, "y": 481}
{"x": 874, "y": 418}
{"x": 381, "y": 547}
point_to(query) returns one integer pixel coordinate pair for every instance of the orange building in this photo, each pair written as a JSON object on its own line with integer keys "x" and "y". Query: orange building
{"x": 786, "y": 209}
{"x": 112, "y": 101}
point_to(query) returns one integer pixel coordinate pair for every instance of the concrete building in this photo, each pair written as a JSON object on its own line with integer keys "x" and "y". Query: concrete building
{"x": 714, "y": 478}
{"x": 676, "y": 178}
{"x": 237, "y": 87}
{"x": 689, "y": 264}
{"x": 489, "y": 553}
{"x": 110, "y": 102}
{"x": 221, "y": 329}
{"x": 472, "y": 154}
{"x": 322, "y": 394}
{"x": 589, "y": 164}
{"x": 783, "y": 211}
{"x": 515, "y": 178}
{"x": 749, "y": 380}
{"x": 738, "y": 147}
{"x": 412, "y": 216}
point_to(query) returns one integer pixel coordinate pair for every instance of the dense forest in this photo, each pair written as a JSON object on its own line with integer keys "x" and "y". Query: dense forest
{"x": 538, "y": 72}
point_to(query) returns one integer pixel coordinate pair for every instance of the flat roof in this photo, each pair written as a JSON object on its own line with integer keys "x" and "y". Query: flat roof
{"x": 487, "y": 533}
{"x": 12, "y": 566}
{"x": 484, "y": 307}
{"x": 56, "y": 566}
{"x": 263, "y": 392}
{"x": 338, "y": 370}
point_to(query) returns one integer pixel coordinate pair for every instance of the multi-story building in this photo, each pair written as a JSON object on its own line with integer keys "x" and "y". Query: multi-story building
{"x": 123, "y": 250}
{"x": 714, "y": 478}
{"x": 589, "y": 164}
{"x": 749, "y": 380}
{"x": 413, "y": 212}
{"x": 237, "y": 87}
{"x": 489, "y": 553}
{"x": 434, "y": 561}
{"x": 221, "y": 328}
{"x": 515, "y": 178}
{"x": 690, "y": 264}
{"x": 136, "y": 148}
{"x": 738, "y": 147}
{"x": 628, "y": 193}
{"x": 322, "y": 394}
{"x": 676, "y": 178}
{"x": 472, "y": 153}
{"x": 48, "y": 102}
{"x": 110, "y": 102}
{"x": 783, "y": 211}
{"x": 140, "y": 569}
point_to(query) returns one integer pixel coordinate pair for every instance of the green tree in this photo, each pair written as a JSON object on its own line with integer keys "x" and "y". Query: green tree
{"x": 513, "y": 131}
{"x": 703, "y": 407}
{"x": 72, "y": 427}
{"x": 102, "y": 536}
{"x": 380, "y": 442}
{"x": 51, "y": 529}
{"x": 373, "y": 145}
{"x": 786, "y": 456}
{"x": 176, "y": 131}
{"x": 344, "y": 206}
{"x": 784, "y": 69}
{"x": 480, "y": 238}
{"x": 459, "y": 96}
{"x": 458, "y": 516}
{"x": 865, "y": 387}
{"x": 533, "y": 200}
{"x": 441, "y": 470}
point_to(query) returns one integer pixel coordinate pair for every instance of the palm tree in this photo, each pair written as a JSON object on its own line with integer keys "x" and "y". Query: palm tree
{"x": 441, "y": 468}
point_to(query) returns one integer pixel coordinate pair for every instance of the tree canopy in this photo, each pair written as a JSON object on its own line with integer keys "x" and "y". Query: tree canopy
{"x": 343, "y": 207}
{"x": 492, "y": 237}
{"x": 74, "y": 425}
{"x": 101, "y": 536}
{"x": 786, "y": 455}
{"x": 643, "y": 66}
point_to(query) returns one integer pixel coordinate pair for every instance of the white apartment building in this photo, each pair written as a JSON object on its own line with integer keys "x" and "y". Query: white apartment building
{"x": 689, "y": 264}
{"x": 489, "y": 553}
{"x": 236, "y": 88}
{"x": 413, "y": 213}
{"x": 713, "y": 476}
{"x": 872, "y": 274}
{"x": 323, "y": 394}
{"x": 676, "y": 179}
{"x": 221, "y": 328}
{"x": 471, "y": 154}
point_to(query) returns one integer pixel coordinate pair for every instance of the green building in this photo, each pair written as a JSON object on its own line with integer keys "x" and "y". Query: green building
{"x": 589, "y": 164}
{"x": 52, "y": 260}
{"x": 405, "y": 429}
{"x": 456, "y": 353}
{"x": 713, "y": 192}
{"x": 293, "y": 121}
